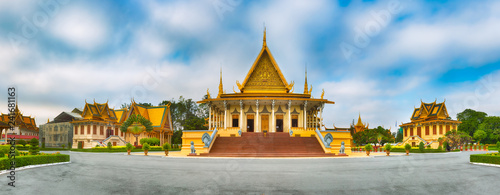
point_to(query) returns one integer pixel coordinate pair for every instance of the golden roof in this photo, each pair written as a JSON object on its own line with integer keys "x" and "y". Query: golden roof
{"x": 264, "y": 80}
{"x": 21, "y": 121}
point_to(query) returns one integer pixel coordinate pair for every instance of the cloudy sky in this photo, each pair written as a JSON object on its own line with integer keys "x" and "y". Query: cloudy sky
{"x": 377, "y": 58}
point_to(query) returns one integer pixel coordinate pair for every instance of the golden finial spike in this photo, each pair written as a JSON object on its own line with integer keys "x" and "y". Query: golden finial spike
{"x": 221, "y": 88}
{"x": 306, "y": 90}
{"x": 265, "y": 44}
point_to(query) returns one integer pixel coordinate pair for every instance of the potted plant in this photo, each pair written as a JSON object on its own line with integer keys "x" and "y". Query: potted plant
{"x": 129, "y": 147}
{"x": 368, "y": 148}
{"x": 146, "y": 147}
{"x": 166, "y": 147}
{"x": 407, "y": 148}
{"x": 388, "y": 148}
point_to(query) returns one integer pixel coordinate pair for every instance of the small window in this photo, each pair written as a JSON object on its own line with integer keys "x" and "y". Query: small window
{"x": 235, "y": 120}
{"x": 295, "y": 120}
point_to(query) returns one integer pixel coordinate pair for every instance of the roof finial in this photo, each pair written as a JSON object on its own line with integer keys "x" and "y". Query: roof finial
{"x": 306, "y": 90}
{"x": 220, "y": 84}
{"x": 265, "y": 44}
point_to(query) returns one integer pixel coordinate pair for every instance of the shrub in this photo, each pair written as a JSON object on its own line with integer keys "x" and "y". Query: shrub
{"x": 485, "y": 158}
{"x": 421, "y": 146}
{"x": 16, "y": 153}
{"x": 388, "y": 147}
{"x": 34, "y": 160}
{"x": 146, "y": 146}
{"x": 445, "y": 145}
{"x": 440, "y": 148}
{"x": 22, "y": 142}
{"x": 166, "y": 146}
{"x": 151, "y": 141}
{"x": 43, "y": 144}
{"x": 34, "y": 147}
{"x": 110, "y": 145}
{"x": 80, "y": 145}
{"x": 498, "y": 146}
{"x": 407, "y": 147}
{"x": 143, "y": 140}
{"x": 70, "y": 144}
{"x": 129, "y": 146}
{"x": 97, "y": 145}
{"x": 368, "y": 147}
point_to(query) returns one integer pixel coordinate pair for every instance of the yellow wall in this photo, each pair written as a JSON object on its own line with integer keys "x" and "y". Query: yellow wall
{"x": 195, "y": 136}
{"x": 428, "y": 138}
{"x": 338, "y": 137}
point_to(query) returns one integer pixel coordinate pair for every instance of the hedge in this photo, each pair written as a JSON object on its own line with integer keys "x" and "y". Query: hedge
{"x": 416, "y": 150}
{"x": 485, "y": 158}
{"x": 121, "y": 149}
{"x": 22, "y": 161}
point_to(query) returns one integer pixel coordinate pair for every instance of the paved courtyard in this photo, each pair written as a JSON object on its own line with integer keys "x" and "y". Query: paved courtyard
{"x": 96, "y": 173}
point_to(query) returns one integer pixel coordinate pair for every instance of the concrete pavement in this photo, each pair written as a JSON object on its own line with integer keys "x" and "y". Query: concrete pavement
{"x": 116, "y": 173}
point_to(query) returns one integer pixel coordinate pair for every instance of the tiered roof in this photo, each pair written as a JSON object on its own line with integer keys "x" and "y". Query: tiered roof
{"x": 24, "y": 122}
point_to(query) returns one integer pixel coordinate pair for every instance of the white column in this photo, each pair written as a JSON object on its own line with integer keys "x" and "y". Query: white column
{"x": 257, "y": 129}
{"x": 241, "y": 116}
{"x": 273, "y": 122}
{"x": 289, "y": 115}
{"x": 209, "y": 116}
{"x": 321, "y": 116}
{"x": 225, "y": 114}
{"x": 305, "y": 115}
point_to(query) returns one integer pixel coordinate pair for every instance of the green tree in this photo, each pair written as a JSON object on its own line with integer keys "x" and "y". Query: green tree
{"x": 22, "y": 142}
{"x": 33, "y": 150}
{"x": 491, "y": 126}
{"x": 187, "y": 114}
{"x": 479, "y": 135}
{"x": 421, "y": 146}
{"x": 470, "y": 120}
{"x": 110, "y": 145}
{"x": 399, "y": 135}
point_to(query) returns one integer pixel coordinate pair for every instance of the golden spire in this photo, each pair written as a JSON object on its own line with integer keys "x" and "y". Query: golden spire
{"x": 306, "y": 90}
{"x": 48, "y": 120}
{"x": 220, "y": 84}
{"x": 360, "y": 123}
{"x": 264, "y": 43}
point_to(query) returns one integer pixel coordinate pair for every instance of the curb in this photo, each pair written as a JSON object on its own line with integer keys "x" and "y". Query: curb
{"x": 34, "y": 166}
{"x": 485, "y": 164}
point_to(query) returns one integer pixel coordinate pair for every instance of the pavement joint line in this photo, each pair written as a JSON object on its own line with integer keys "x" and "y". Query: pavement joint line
{"x": 485, "y": 164}
{"x": 274, "y": 158}
{"x": 34, "y": 166}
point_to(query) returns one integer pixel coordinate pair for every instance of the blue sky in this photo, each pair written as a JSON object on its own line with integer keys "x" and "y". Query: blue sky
{"x": 377, "y": 58}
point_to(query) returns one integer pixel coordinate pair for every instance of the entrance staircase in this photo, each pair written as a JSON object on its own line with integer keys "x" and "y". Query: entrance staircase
{"x": 271, "y": 145}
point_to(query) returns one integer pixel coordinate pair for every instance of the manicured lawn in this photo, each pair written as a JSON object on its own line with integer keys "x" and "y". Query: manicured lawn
{"x": 117, "y": 150}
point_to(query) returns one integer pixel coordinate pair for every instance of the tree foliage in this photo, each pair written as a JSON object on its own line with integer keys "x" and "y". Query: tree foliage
{"x": 470, "y": 120}
{"x": 186, "y": 115}
{"x": 456, "y": 138}
{"x": 371, "y": 135}
{"x": 479, "y": 135}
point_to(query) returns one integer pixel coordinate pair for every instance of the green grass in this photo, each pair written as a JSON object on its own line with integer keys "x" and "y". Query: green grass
{"x": 53, "y": 149}
{"x": 113, "y": 150}
{"x": 22, "y": 161}
{"x": 486, "y": 158}
{"x": 418, "y": 151}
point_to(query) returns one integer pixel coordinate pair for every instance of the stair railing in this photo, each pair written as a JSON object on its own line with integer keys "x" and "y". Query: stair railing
{"x": 209, "y": 140}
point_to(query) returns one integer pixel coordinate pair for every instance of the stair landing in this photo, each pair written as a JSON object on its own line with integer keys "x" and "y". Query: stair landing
{"x": 271, "y": 145}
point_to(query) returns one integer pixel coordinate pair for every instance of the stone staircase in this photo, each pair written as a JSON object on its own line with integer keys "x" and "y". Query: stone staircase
{"x": 271, "y": 145}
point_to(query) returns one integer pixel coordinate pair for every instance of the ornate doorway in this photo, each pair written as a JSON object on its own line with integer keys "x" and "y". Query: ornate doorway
{"x": 264, "y": 123}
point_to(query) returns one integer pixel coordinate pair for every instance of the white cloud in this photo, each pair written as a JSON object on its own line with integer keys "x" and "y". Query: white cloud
{"x": 84, "y": 28}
